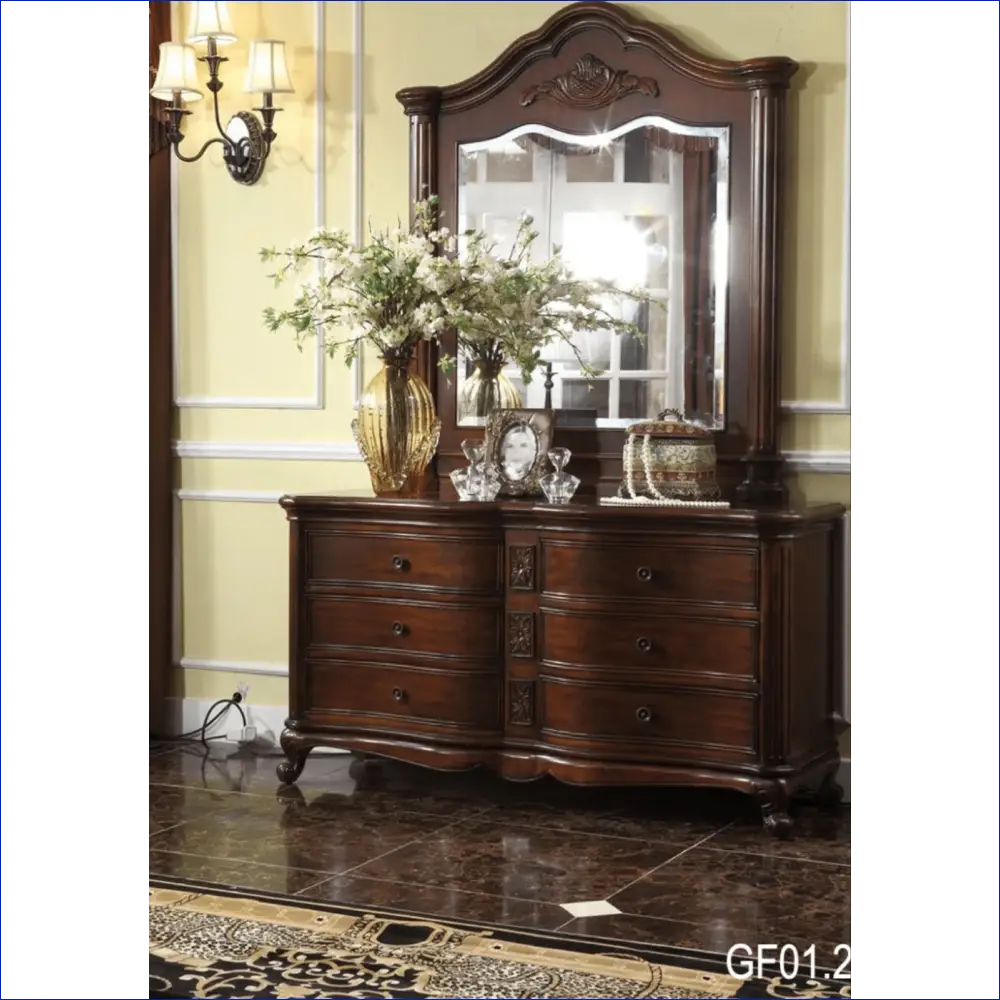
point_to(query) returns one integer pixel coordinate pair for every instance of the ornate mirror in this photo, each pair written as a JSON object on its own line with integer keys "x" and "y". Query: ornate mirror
{"x": 651, "y": 166}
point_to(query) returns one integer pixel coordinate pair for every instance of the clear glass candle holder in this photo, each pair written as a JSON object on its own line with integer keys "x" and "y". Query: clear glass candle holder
{"x": 487, "y": 485}
{"x": 460, "y": 480}
{"x": 559, "y": 486}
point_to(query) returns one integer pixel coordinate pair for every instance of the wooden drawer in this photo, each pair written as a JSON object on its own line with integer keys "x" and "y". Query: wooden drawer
{"x": 403, "y": 559}
{"x": 415, "y": 628}
{"x": 644, "y": 721}
{"x": 683, "y": 645}
{"x": 359, "y": 694}
{"x": 694, "y": 573}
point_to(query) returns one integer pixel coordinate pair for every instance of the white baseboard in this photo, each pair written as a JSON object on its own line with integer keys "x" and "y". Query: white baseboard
{"x": 844, "y": 777}
{"x": 187, "y": 714}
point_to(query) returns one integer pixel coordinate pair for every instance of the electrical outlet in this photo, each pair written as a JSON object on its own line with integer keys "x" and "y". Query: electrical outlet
{"x": 244, "y": 690}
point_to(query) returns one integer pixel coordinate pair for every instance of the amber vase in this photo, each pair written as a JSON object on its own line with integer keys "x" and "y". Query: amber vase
{"x": 396, "y": 428}
{"x": 487, "y": 389}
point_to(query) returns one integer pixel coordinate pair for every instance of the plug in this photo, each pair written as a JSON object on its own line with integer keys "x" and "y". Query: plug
{"x": 243, "y": 690}
{"x": 245, "y": 734}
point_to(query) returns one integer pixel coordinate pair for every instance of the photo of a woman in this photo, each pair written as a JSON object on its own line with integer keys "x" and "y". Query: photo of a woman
{"x": 518, "y": 451}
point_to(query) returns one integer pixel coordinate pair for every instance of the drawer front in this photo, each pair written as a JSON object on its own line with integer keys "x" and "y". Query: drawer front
{"x": 404, "y": 560}
{"x": 693, "y": 573}
{"x": 645, "y": 721}
{"x": 440, "y": 631}
{"x": 359, "y": 694}
{"x": 683, "y": 645}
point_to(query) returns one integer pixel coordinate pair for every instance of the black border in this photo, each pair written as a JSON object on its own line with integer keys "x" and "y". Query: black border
{"x": 926, "y": 779}
{"x": 74, "y": 696}
{"x": 688, "y": 958}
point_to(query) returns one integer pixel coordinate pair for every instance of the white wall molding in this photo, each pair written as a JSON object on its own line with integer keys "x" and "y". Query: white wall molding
{"x": 818, "y": 461}
{"x": 841, "y": 405}
{"x": 347, "y": 451}
{"x": 275, "y": 451}
{"x": 317, "y": 400}
{"x": 231, "y": 496}
{"x": 235, "y": 666}
{"x": 358, "y": 139}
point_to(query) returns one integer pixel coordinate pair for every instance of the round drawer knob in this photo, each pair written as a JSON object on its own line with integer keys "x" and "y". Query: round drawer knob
{"x": 644, "y": 574}
{"x": 644, "y": 714}
{"x": 398, "y": 694}
{"x": 643, "y": 644}
{"x": 398, "y": 628}
{"x": 398, "y": 563}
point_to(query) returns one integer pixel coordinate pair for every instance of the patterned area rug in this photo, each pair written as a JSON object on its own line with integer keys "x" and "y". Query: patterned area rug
{"x": 208, "y": 941}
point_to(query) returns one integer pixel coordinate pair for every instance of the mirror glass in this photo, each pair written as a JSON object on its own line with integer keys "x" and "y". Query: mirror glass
{"x": 236, "y": 129}
{"x": 518, "y": 452}
{"x": 644, "y": 205}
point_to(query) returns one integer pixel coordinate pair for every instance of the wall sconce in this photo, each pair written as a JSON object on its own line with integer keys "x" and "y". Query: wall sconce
{"x": 246, "y": 139}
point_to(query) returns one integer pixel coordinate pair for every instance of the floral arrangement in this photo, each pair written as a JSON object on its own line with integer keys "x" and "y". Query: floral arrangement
{"x": 390, "y": 292}
{"x": 509, "y": 308}
{"x": 405, "y": 286}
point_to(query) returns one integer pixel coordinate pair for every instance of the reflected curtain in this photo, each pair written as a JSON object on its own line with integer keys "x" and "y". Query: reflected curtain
{"x": 699, "y": 168}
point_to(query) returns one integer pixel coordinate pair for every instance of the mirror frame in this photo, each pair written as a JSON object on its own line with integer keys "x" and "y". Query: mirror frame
{"x": 633, "y": 68}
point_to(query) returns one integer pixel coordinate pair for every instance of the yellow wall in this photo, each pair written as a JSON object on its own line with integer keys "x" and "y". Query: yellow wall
{"x": 234, "y": 606}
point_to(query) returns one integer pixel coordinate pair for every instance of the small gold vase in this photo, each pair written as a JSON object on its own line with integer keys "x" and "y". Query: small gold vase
{"x": 396, "y": 428}
{"x": 486, "y": 390}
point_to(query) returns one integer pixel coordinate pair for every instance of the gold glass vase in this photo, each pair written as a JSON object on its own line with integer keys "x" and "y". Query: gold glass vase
{"x": 487, "y": 389}
{"x": 396, "y": 428}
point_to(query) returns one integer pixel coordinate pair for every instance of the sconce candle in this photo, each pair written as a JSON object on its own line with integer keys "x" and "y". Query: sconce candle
{"x": 246, "y": 139}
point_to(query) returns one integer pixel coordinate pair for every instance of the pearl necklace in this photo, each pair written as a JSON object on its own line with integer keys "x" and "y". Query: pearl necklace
{"x": 634, "y": 500}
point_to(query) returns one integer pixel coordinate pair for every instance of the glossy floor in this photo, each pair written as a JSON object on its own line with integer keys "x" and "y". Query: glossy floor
{"x": 666, "y": 867}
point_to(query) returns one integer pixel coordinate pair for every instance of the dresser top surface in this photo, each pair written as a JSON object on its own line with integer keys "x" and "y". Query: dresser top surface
{"x": 363, "y": 501}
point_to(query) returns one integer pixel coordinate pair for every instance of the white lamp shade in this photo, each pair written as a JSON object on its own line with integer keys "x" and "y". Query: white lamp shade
{"x": 210, "y": 20}
{"x": 177, "y": 73}
{"x": 267, "y": 72}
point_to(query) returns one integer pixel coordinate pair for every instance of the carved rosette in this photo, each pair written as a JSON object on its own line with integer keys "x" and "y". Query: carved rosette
{"x": 521, "y": 634}
{"x": 522, "y": 567}
{"x": 590, "y": 84}
{"x": 521, "y": 700}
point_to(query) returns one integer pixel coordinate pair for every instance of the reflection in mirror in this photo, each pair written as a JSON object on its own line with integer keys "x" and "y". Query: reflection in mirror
{"x": 644, "y": 205}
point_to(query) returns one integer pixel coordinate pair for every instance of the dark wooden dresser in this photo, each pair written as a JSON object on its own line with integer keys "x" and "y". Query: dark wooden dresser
{"x": 600, "y": 645}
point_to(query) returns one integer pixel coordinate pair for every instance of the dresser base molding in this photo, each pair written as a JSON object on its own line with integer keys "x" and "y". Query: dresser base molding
{"x": 773, "y": 790}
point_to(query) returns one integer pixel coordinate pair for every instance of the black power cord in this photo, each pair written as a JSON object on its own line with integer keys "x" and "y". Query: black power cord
{"x": 200, "y": 734}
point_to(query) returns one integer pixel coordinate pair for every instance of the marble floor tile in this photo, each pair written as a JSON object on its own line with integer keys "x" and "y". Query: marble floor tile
{"x": 226, "y": 767}
{"x": 238, "y": 874}
{"x": 439, "y": 903}
{"x": 590, "y": 908}
{"x": 333, "y": 839}
{"x": 522, "y": 862}
{"x": 169, "y": 806}
{"x": 777, "y": 899}
{"x": 327, "y": 779}
{"x": 819, "y": 836}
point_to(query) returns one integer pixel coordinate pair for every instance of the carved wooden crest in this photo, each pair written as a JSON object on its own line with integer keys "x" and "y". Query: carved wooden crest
{"x": 591, "y": 83}
{"x": 522, "y": 703}
{"x": 521, "y": 634}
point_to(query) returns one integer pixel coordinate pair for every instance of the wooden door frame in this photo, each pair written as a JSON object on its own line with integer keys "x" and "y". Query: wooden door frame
{"x": 160, "y": 397}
